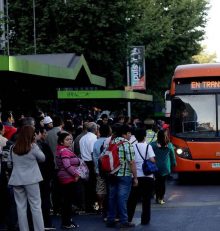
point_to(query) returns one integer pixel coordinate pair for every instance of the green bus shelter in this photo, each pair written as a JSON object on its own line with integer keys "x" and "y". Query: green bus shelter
{"x": 25, "y": 79}
{"x": 104, "y": 94}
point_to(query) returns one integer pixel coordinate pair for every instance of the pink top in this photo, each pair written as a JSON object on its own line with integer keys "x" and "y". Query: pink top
{"x": 67, "y": 162}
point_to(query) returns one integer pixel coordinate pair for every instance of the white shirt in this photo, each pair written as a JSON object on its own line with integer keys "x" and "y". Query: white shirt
{"x": 86, "y": 144}
{"x": 3, "y": 141}
{"x": 107, "y": 141}
{"x": 139, "y": 161}
{"x": 133, "y": 140}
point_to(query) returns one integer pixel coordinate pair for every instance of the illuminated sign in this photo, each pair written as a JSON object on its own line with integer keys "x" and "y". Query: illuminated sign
{"x": 205, "y": 85}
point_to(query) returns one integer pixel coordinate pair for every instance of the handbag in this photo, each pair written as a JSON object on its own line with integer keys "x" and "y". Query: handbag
{"x": 82, "y": 170}
{"x": 148, "y": 166}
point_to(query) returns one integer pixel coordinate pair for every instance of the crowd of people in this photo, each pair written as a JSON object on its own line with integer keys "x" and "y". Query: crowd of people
{"x": 39, "y": 174}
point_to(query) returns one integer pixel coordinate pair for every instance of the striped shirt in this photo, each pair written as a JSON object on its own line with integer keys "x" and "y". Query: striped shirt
{"x": 126, "y": 154}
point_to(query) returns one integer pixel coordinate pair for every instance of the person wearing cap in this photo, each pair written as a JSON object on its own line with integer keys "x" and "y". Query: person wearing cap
{"x": 48, "y": 123}
{"x": 51, "y": 140}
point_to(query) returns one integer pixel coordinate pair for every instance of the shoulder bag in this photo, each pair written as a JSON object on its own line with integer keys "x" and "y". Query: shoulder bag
{"x": 148, "y": 166}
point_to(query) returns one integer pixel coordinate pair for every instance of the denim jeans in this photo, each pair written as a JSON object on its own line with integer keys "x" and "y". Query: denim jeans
{"x": 119, "y": 190}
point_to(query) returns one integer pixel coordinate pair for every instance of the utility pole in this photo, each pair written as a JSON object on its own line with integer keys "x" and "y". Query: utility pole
{"x": 34, "y": 28}
{"x": 128, "y": 84}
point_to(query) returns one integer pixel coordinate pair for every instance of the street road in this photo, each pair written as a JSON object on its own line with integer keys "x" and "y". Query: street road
{"x": 190, "y": 205}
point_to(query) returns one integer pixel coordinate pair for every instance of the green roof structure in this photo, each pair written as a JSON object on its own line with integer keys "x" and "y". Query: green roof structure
{"x": 24, "y": 79}
{"x": 103, "y": 94}
{"x": 62, "y": 66}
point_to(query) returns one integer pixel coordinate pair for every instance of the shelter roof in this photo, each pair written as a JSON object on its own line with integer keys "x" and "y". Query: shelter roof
{"x": 62, "y": 66}
{"x": 104, "y": 94}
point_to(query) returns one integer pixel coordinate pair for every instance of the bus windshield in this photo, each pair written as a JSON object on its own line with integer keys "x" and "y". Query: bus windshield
{"x": 194, "y": 116}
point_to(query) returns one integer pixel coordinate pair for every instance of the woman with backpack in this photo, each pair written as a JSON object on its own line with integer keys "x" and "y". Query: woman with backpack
{"x": 165, "y": 160}
{"x": 145, "y": 182}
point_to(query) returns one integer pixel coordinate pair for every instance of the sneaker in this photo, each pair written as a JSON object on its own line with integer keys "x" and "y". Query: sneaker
{"x": 161, "y": 202}
{"x": 71, "y": 226}
{"x": 96, "y": 206}
{"x": 127, "y": 225}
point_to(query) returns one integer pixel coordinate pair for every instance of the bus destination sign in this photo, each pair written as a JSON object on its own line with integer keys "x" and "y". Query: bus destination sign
{"x": 205, "y": 85}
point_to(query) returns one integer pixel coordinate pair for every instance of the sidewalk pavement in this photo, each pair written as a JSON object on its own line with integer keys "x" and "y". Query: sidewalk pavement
{"x": 96, "y": 223}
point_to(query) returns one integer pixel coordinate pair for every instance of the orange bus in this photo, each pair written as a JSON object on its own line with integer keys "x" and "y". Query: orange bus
{"x": 195, "y": 117}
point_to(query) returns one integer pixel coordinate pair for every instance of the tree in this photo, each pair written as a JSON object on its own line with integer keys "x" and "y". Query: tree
{"x": 170, "y": 30}
{"x": 185, "y": 20}
{"x": 205, "y": 56}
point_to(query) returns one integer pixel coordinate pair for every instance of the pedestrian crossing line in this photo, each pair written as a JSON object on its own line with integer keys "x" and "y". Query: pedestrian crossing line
{"x": 187, "y": 204}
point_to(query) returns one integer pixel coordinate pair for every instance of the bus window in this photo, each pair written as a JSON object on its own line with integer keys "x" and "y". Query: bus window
{"x": 194, "y": 116}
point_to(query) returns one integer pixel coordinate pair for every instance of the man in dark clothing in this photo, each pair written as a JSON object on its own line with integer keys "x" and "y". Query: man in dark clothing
{"x": 47, "y": 169}
{"x": 77, "y": 139}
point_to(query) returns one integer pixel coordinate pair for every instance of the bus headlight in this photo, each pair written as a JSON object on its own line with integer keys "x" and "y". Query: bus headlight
{"x": 183, "y": 153}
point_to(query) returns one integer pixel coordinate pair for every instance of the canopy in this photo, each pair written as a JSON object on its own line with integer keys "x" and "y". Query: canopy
{"x": 103, "y": 94}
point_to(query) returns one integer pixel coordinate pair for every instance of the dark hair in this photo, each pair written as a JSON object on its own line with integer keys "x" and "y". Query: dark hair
{"x": 104, "y": 116}
{"x": 116, "y": 128}
{"x": 162, "y": 138}
{"x": 5, "y": 115}
{"x": 140, "y": 134}
{"x": 38, "y": 114}
{"x": 120, "y": 130}
{"x": 120, "y": 117}
{"x": 38, "y": 120}
{"x": 62, "y": 136}
{"x": 24, "y": 140}
{"x": 40, "y": 130}
{"x": 104, "y": 130}
{"x": 1, "y": 126}
{"x": 69, "y": 126}
{"x": 57, "y": 121}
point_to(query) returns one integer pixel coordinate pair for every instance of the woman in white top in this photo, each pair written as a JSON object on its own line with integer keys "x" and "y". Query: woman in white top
{"x": 25, "y": 178}
{"x": 145, "y": 183}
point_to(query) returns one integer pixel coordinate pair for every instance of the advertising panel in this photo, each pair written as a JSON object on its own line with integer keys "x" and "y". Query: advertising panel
{"x": 137, "y": 68}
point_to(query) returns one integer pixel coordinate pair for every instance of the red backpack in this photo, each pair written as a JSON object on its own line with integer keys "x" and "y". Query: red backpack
{"x": 109, "y": 161}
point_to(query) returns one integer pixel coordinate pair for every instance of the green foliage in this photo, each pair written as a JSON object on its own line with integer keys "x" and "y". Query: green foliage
{"x": 184, "y": 23}
{"x": 170, "y": 30}
{"x": 204, "y": 56}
